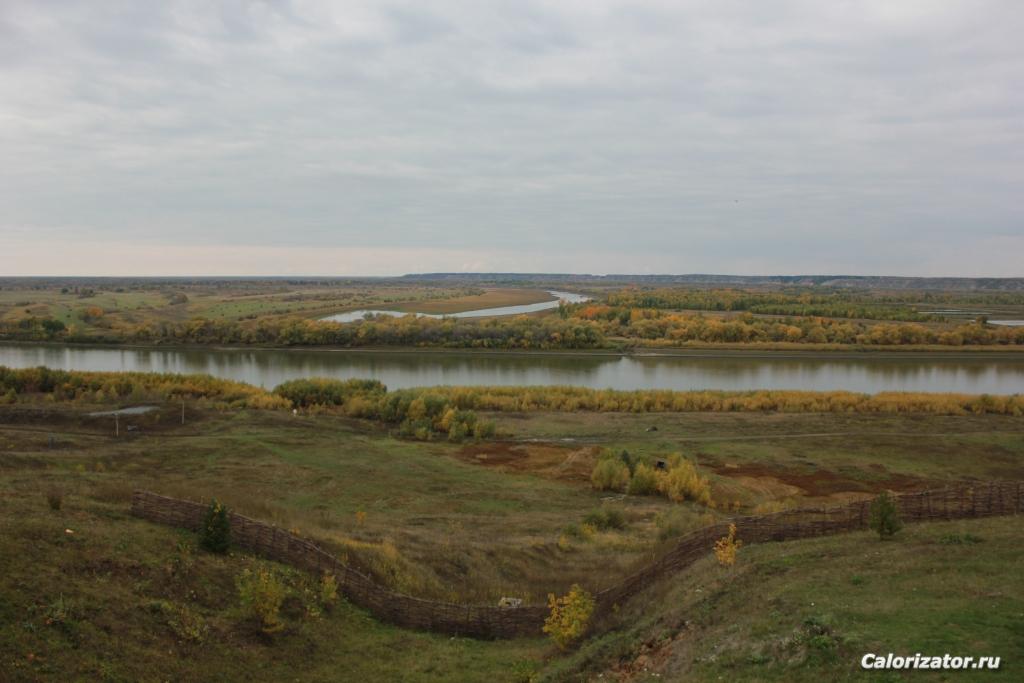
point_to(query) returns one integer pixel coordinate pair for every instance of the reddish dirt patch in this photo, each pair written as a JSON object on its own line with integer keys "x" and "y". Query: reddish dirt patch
{"x": 826, "y": 483}
{"x": 565, "y": 463}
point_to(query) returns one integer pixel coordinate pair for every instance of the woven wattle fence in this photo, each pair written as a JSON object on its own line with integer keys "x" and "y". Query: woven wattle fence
{"x": 489, "y": 621}
{"x": 482, "y": 621}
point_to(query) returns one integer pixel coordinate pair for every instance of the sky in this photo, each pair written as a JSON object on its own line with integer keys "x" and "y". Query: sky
{"x": 583, "y": 136}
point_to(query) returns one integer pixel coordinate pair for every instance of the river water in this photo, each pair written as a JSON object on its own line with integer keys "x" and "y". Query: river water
{"x": 568, "y": 297}
{"x": 871, "y": 373}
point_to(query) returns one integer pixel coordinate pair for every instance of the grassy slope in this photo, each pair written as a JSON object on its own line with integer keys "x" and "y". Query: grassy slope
{"x": 124, "y": 583}
{"x": 809, "y": 610}
{"x": 466, "y": 532}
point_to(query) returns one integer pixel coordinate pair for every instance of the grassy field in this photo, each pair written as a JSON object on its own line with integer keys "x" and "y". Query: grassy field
{"x": 808, "y": 458}
{"x": 465, "y": 522}
{"x": 269, "y": 299}
{"x": 141, "y": 303}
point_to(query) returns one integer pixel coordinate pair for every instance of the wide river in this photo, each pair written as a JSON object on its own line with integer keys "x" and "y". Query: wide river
{"x": 568, "y": 297}
{"x": 988, "y": 373}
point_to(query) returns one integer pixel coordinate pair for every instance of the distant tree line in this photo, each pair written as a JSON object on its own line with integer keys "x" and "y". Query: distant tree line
{"x": 520, "y": 332}
{"x": 651, "y": 326}
{"x": 872, "y": 305}
{"x": 100, "y": 387}
{"x": 577, "y": 326}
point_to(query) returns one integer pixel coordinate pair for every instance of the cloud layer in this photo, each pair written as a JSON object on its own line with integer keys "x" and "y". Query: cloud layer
{"x": 261, "y": 137}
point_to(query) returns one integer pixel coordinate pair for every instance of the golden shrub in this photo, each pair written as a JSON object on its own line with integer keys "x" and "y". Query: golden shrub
{"x": 644, "y": 481}
{"x": 727, "y": 547}
{"x": 610, "y": 474}
{"x": 570, "y": 616}
{"x": 683, "y": 482}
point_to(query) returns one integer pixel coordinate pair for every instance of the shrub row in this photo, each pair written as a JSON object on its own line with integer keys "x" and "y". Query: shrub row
{"x": 446, "y": 405}
{"x": 679, "y": 481}
{"x": 65, "y": 385}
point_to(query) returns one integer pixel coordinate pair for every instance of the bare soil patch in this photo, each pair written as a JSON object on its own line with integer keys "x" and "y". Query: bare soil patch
{"x": 564, "y": 463}
{"x": 821, "y": 483}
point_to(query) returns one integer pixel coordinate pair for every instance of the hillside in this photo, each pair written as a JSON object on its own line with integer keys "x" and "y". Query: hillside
{"x": 809, "y": 610}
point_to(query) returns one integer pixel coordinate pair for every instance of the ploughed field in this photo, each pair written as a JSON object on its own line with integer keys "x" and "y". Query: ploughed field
{"x": 463, "y": 522}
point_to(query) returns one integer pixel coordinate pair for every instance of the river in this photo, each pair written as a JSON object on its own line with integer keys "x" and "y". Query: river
{"x": 872, "y": 372}
{"x": 568, "y": 297}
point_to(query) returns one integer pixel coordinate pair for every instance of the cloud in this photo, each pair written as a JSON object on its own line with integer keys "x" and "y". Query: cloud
{"x": 729, "y": 137}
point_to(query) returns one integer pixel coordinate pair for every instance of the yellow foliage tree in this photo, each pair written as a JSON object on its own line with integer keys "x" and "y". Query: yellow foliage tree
{"x": 727, "y": 547}
{"x": 570, "y": 616}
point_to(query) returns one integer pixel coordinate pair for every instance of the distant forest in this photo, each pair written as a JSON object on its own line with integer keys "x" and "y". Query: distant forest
{"x": 863, "y": 282}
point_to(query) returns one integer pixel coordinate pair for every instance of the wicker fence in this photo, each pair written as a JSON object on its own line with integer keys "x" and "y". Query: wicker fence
{"x": 482, "y": 621}
{"x": 487, "y": 621}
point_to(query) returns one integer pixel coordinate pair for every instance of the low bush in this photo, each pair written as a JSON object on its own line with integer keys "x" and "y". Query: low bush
{"x": 328, "y": 590}
{"x": 606, "y": 518}
{"x": 683, "y": 482}
{"x": 262, "y": 593}
{"x": 327, "y": 392}
{"x": 883, "y": 517}
{"x": 187, "y": 625}
{"x": 644, "y": 481}
{"x": 215, "y": 532}
{"x": 673, "y": 522}
{"x": 610, "y": 474}
{"x": 727, "y": 547}
{"x": 570, "y": 616}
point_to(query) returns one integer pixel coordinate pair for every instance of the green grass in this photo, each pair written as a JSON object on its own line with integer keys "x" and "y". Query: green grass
{"x": 445, "y": 527}
{"x": 121, "y": 584}
{"x": 876, "y": 450}
{"x": 809, "y": 610}
{"x": 315, "y": 473}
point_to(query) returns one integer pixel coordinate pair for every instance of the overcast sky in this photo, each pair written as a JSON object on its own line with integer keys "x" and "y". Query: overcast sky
{"x": 389, "y": 137}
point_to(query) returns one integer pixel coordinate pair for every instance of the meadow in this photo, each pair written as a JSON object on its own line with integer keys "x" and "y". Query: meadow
{"x": 469, "y": 520}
